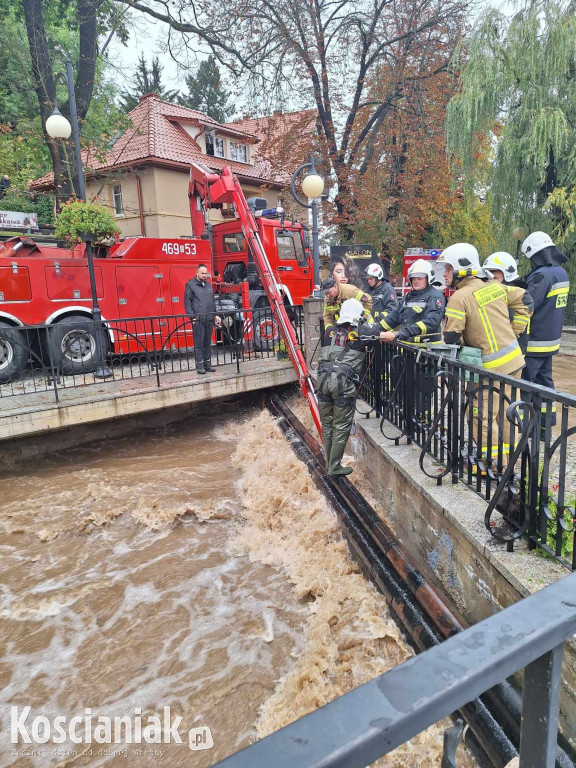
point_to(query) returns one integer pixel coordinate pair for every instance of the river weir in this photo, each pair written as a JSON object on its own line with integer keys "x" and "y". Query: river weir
{"x": 195, "y": 567}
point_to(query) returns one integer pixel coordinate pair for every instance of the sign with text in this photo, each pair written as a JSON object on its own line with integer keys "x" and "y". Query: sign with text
{"x": 348, "y": 262}
{"x": 10, "y": 219}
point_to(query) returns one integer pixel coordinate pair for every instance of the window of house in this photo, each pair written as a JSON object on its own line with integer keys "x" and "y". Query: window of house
{"x": 290, "y": 246}
{"x": 218, "y": 147}
{"x": 238, "y": 152}
{"x": 234, "y": 242}
{"x": 214, "y": 145}
{"x": 117, "y": 199}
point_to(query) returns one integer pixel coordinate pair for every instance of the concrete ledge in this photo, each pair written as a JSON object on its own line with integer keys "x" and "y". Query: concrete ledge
{"x": 442, "y": 528}
{"x": 37, "y": 415}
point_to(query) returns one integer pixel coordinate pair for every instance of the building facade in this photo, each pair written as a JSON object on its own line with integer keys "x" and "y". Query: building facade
{"x": 143, "y": 178}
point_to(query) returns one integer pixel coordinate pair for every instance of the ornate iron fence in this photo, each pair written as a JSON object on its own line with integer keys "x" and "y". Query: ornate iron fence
{"x": 510, "y": 441}
{"x": 77, "y": 352}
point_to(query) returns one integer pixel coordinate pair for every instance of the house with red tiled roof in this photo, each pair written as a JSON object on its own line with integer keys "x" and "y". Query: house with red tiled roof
{"x": 143, "y": 177}
{"x": 284, "y": 139}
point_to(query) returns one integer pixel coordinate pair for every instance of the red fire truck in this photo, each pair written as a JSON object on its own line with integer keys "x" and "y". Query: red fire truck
{"x": 143, "y": 277}
{"x": 410, "y": 256}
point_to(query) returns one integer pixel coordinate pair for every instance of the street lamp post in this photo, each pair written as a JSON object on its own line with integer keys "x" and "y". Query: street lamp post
{"x": 58, "y": 127}
{"x": 312, "y": 186}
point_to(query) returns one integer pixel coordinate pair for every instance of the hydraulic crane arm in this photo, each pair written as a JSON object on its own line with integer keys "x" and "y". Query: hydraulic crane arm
{"x": 216, "y": 189}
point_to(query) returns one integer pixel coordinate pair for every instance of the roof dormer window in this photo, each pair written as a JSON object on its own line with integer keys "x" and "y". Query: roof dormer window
{"x": 238, "y": 152}
{"x": 214, "y": 144}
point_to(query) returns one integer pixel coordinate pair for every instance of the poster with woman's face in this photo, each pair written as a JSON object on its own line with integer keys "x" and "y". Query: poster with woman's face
{"x": 348, "y": 262}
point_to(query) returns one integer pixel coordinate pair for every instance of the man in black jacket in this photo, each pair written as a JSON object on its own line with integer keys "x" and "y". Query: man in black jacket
{"x": 200, "y": 307}
{"x": 383, "y": 295}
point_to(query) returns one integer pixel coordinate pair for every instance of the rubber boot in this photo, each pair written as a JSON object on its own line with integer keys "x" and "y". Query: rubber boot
{"x": 327, "y": 442}
{"x": 325, "y": 410}
{"x": 334, "y": 466}
{"x": 341, "y": 425}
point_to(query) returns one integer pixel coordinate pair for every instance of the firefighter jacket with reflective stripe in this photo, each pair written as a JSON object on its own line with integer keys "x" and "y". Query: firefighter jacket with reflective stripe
{"x": 520, "y": 323}
{"x": 477, "y": 312}
{"x": 549, "y": 288}
{"x": 345, "y": 291}
{"x": 383, "y": 300}
{"x": 419, "y": 314}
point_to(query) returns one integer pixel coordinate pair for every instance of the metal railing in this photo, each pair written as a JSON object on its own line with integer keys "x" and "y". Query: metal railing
{"x": 494, "y": 433}
{"x": 77, "y": 352}
{"x": 372, "y": 720}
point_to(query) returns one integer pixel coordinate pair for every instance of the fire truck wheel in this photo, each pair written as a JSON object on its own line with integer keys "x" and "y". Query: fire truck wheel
{"x": 13, "y": 353}
{"x": 265, "y": 330}
{"x": 72, "y": 345}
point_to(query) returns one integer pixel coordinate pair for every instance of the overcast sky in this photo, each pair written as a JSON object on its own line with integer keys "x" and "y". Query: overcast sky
{"x": 149, "y": 36}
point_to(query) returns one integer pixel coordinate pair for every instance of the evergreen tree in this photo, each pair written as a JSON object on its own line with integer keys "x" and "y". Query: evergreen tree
{"x": 517, "y": 77}
{"x": 205, "y": 92}
{"x": 147, "y": 80}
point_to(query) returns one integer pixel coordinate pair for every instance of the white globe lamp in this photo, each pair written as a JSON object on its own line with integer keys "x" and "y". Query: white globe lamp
{"x": 57, "y": 126}
{"x": 313, "y": 185}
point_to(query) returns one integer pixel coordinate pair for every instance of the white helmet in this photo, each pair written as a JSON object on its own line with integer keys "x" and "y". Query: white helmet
{"x": 536, "y": 242}
{"x": 350, "y": 312}
{"x": 505, "y": 263}
{"x": 374, "y": 270}
{"x": 462, "y": 257}
{"x": 420, "y": 268}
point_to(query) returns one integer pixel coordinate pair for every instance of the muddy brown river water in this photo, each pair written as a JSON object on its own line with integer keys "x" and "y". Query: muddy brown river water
{"x": 194, "y": 567}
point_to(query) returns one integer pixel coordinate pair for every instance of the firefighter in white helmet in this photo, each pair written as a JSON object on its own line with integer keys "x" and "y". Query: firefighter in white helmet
{"x": 503, "y": 268}
{"x": 340, "y": 364}
{"x": 418, "y": 316}
{"x": 383, "y": 295}
{"x": 549, "y": 285}
{"x": 477, "y": 316}
{"x": 335, "y": 294}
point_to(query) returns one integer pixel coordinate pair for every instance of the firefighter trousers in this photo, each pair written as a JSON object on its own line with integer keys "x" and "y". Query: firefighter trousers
{"x": 336, "y": 405}
{"x": 538, "y": 370}
{"x": 202, "y": 330}
{"x": 494, "y": 441}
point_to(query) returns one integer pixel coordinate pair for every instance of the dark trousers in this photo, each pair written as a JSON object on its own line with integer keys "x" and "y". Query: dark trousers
{"x": 202, "y": 330}
{"x": 538, "y": 370}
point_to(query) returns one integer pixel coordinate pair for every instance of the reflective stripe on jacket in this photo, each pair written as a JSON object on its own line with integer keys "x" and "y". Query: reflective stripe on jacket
{"x": 384, "y": 300}
{"x": 345, "y": 291}
{"x": 478, "y": 312}
{"x": 549, "y": 287}
{"x": 418, "y": 314}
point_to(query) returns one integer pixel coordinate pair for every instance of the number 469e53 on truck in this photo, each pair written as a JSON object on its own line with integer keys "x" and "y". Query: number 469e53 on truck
{"x": 143, "y": 277}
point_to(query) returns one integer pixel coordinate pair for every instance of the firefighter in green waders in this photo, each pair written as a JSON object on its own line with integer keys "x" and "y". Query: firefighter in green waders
{"x": 339, "y": 369}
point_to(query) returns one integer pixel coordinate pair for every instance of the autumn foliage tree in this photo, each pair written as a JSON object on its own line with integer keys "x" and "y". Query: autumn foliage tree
{"x": 403, "y": 185}
{"x": 55, "y": 30}
{"x": 325, "y": 53}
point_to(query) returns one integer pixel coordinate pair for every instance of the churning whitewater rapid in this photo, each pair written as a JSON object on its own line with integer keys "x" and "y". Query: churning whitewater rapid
{"x": 194, "y": 567}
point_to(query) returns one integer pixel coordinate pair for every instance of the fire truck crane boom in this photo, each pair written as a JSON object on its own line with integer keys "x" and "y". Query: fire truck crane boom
{"x": 216, "y": 189}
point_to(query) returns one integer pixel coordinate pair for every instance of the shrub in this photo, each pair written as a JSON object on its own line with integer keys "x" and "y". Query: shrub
{"x": 77, "y": 220}
{"x": 45, "y": 209}
{"x": 17, "y": 201}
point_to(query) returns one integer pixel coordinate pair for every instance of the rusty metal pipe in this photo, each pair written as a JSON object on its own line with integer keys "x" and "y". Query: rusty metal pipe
{"x": 504, "y": 701}
{"x": 486, "y": 730}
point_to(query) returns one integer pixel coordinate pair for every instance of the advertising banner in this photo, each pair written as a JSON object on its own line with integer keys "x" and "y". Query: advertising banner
{"x": 11, "y": 219}
{"x": 348, "y": 262}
